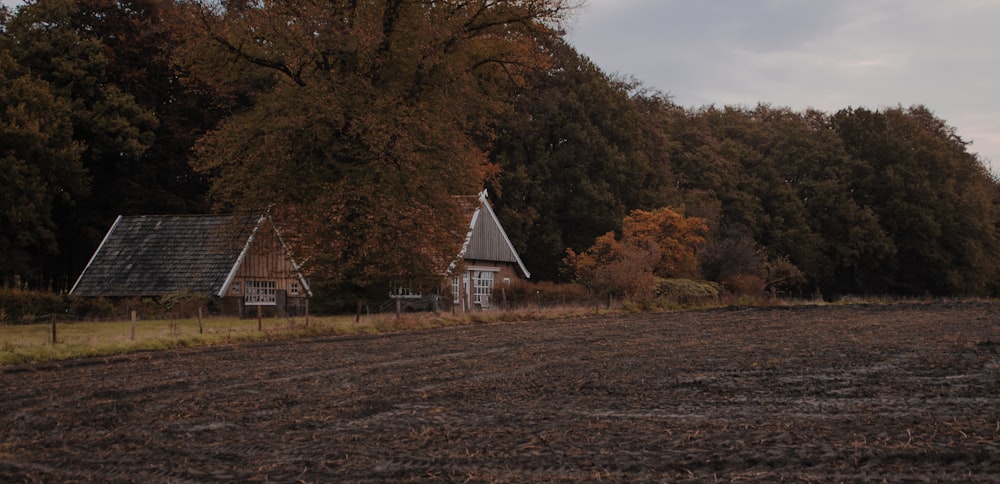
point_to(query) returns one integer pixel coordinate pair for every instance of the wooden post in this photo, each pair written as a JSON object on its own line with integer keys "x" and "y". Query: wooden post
{"x": 307, "y": 312}
{"x": 399, "y": 307}
{"x": 260, "y": 319}
{"x": 201, "y": 329}
{"x": 357, "y": 315}
{"x": 132, "y": 337}
{"x": 54, "y": 329}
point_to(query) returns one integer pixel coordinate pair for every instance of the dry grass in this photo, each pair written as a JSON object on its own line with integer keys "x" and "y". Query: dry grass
{"x": 33, "y": 343}
{"x": 30, "y": 343}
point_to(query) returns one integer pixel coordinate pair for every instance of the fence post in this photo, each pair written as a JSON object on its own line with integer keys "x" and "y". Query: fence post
{"x": 53, "y": 329}
{"x": 201, "y": 329}
{"x": 132, "y": 337}
{"x": 260, "y": 323}
{"x": 307, "y": 312}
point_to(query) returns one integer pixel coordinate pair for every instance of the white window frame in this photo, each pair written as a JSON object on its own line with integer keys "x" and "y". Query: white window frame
{"x": 402, "y": 292}
{"x": 456, "y": 289}
{"x": 260, "y": 293}
{"x": 294, "y": 288}
{"x": 482, "y": 288}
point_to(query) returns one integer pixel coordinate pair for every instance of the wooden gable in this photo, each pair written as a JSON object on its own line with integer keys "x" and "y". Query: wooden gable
{"x": 487, "y": 241}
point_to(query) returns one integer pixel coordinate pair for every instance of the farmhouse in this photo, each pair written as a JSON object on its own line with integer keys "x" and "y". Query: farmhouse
{"x": 486, "y": 262}
{"x": 239, "y": 260}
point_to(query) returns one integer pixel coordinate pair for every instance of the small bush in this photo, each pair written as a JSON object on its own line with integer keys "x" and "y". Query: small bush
{"x": 686, "y": 293}
{"x": 182, "y": 304}
{"x": 745, "y": 285}
{"x": 144, "y": 308}
{"x": 90, "y": 308}
{"x": 520, "y": 294}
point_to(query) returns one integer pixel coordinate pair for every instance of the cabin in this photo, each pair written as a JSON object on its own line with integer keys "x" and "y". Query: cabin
{"x": 486, "y": 262}
{"x": 239, "y": 260}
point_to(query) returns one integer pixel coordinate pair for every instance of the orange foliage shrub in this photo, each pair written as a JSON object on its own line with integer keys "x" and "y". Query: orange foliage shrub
{"x": 661, "y": 243}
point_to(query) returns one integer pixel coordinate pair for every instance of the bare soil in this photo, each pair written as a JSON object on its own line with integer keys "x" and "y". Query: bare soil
{"x": 819, "y": 393}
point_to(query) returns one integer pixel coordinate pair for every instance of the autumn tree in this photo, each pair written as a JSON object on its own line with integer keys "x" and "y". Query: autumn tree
{"x": 577, "y": 154}
{"x": 110, "y": 128}
{"x": 777, "y": 187}
{"x": 138, "y": 39}
{"x": 653, "y": 244}
{"x": 935, "y": 199}
{"x": 366, "y": 119}
{"x": 674, "y": 237}
{"x": 616, "y": 268}
{"x": 40, "y": 168}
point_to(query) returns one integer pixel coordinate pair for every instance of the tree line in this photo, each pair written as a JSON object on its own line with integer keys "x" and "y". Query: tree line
{"x": 363, "y": 123}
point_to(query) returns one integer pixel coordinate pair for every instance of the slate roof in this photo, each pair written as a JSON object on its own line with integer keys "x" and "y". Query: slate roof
{"x": 153, "y": 255}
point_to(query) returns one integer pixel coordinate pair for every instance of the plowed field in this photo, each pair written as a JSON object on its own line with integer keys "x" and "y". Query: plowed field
{"x": 820, "y": 393}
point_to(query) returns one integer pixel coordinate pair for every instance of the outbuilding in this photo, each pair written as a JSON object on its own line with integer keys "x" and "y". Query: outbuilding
{"x": 240, "y": 260}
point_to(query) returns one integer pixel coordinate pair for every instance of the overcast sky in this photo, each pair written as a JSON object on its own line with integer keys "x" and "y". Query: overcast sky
{"x": 825, "y": 54}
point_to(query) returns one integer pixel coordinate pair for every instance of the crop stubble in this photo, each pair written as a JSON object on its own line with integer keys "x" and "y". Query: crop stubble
{"x": 825, "y": 393}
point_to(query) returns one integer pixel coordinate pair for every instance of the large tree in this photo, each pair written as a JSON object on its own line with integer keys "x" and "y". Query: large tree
{"x": 931, "y": 195}
{"x": 778, "y": 185}
{"x": 40, "y": 169}
{"x": 366, "y": 121}
{"x": 579, "y": 152}
{"x": 113, "y": 131}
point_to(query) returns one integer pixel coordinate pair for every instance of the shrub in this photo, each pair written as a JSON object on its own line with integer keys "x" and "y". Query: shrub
{"x": 745, "y": 285}
{"x": 22, "y": 306}
{"x": 90, "y": 308}
{"x": 522, "y": 293}
{"x": 686, "y": 292}
{"x": 182, "y": 304}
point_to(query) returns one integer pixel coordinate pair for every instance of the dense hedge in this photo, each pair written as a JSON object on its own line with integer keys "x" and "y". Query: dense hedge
{"x": 522, "y": 294}
{"x": 19, "y": 306}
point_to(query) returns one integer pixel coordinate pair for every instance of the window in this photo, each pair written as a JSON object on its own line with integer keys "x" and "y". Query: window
{"x": 484, "y": 288}
{"x": 236, "y": 288}
{"x": 456, "y": 289}
{"x": 260, "y": 293}
{"x": 294, "y": 288}
{"x": 405, "y": 293}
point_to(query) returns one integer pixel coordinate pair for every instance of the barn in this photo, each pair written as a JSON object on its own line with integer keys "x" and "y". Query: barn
{"x": 239, "y": 260}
